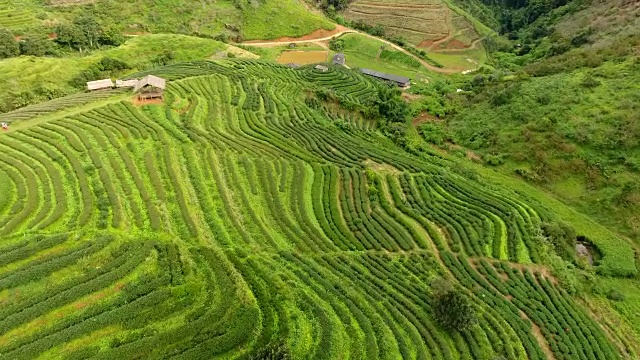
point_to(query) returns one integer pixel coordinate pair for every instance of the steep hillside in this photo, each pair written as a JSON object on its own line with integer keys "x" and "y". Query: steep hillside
{"x": 239, "y": 19}
{"x": 428, "y": 24}
{"x": 561, "y": 108}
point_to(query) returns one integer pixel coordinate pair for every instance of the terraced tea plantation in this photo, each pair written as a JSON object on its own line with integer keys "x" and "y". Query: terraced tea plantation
{"x": 242, "y": 216}
{"x": 424, "y": 23}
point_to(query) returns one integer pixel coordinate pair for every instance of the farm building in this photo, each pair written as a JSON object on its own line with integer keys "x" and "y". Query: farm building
{"x": 339, "y": 59}
{"x": 126, "y": 83}
{"x": 99, "y": 84}
{"x": 150, "y": 87}
{"x": 401, "y": 81}
{"x": 292, "y": 65}
{"x": 322, "y": 68}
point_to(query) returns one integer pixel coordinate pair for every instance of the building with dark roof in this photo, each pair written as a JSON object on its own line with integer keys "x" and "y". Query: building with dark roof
{"x": 401, "y": 81}
{"x": 339, "y": 59}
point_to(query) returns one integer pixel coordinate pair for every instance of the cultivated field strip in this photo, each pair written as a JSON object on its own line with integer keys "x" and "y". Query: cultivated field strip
{"x": 236, "y": 216}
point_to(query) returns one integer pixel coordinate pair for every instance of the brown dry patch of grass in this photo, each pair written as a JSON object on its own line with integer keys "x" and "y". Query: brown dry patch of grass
{"x": 424, "y": 117}
{"x": 381, "y": 167}
{"x": 303, "y": 57}
{"x": 473, "y": 156}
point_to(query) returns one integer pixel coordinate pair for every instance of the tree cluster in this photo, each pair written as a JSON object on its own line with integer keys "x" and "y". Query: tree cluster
{"x": 33, "y": 43}
{"x": 85, "y": 33}
{"x": 394, "y": 113}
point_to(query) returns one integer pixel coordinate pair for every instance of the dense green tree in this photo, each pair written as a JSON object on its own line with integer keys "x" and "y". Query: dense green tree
{"x": 336, "y": 44}
{"x": 8, "y": 44}
{"x": 111, "y": 36}
{"x": 36, "y": 44}
{"x": 71, "y": 36}
{"x": 453, "y": 310}
{"x": 391, "y": 106}
{"x": 90, "y": 29}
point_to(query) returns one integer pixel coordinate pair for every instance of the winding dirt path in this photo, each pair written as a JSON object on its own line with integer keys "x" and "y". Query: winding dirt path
{"x": 343, "y": 31}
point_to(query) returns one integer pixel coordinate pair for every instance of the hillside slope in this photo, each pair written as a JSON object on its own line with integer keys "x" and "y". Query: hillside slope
{"x": 239, "y": 19}
{"x": 560, "y": 110}
{"x": 247, "y": 217}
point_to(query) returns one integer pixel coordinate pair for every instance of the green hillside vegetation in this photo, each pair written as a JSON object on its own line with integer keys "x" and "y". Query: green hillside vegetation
{"x": 248, "y": 216}
{"x": 365, "y": 52}
{"x": 238, "y": 19}
{"x": 28, "y": 79}
{"x": 572, "y": 127}
{"x": 264, "y": 212}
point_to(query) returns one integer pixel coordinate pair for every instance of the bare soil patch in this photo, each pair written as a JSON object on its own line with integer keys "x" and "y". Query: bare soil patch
{"x": 303, "y": 57}
{"x": 138, "y": 102}
{"x": 452, "y": 44}
{"x": 424, "y": 117}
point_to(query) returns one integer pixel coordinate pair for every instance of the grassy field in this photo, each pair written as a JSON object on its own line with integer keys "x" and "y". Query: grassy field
{"x": 242, "y": 216}
{"x": 274, "y": 19}
{"x": 364, "y": 52}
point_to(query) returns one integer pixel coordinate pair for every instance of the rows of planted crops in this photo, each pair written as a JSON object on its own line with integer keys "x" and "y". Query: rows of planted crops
{"x": 240, "y": 216}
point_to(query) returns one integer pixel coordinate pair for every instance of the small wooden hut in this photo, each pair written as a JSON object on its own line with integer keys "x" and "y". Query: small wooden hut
{"x": 150, "y": 87}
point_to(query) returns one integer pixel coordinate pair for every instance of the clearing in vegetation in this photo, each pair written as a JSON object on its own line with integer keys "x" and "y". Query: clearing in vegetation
{"x": 242, "y": 217}
{"x": 303, "y": 57}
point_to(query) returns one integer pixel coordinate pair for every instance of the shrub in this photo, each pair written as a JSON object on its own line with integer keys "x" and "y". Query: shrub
{"x": 336, "y": 44}
{"x": 494, "y": 160}
{"x": 615, "y": 295}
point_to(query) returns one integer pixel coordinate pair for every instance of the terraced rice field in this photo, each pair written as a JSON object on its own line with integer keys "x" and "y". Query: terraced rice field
{"x": 238, "y": 216}
{"x": 424, "y": 23}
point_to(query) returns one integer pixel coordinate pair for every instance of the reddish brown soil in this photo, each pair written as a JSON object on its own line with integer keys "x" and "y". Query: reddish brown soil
{"x": 427, "y": 43}
{"x": 423, "y": 118}
{"x": 138, "y": 102}
{"x": 453, "y": 44}
{"x": 317, "y": 34}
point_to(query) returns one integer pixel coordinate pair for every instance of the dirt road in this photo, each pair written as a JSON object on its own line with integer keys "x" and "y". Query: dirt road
{"x": 343, "y": 31}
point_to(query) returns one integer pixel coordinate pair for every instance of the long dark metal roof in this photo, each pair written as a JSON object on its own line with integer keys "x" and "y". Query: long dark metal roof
{"x": 384, "y": 76}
